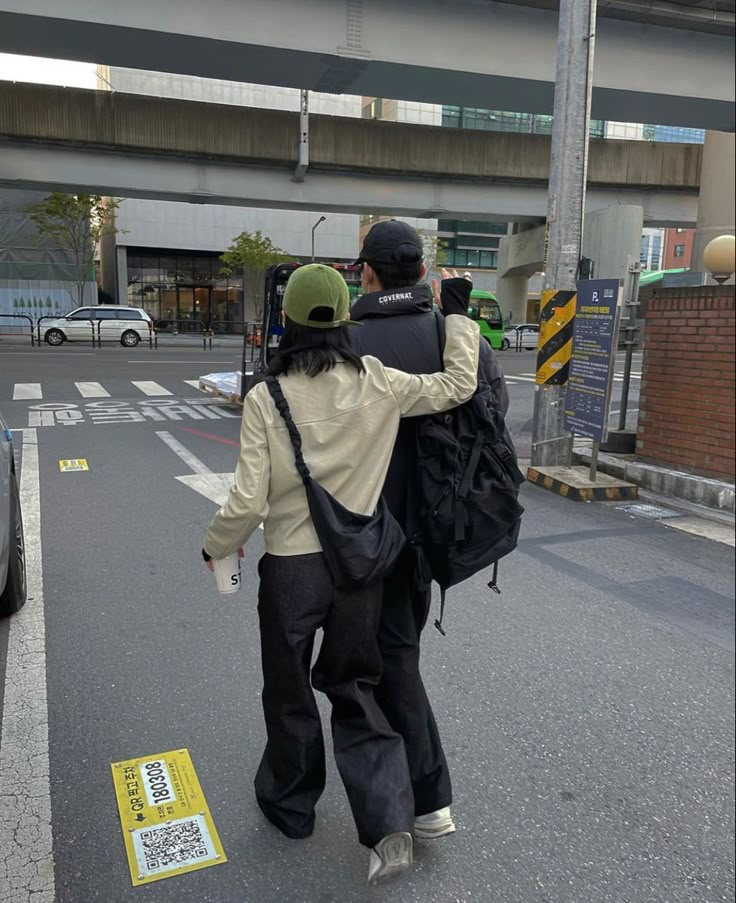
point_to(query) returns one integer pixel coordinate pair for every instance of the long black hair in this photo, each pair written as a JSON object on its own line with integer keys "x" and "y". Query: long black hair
{"x": 313, "y": 351}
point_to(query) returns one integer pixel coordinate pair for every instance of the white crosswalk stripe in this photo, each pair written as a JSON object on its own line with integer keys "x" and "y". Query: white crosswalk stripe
{"x": 192, "y": 382}
{"x": 148, "y": 387}
{"x": 27, "y": 392}
{"x": 92, "y": 390}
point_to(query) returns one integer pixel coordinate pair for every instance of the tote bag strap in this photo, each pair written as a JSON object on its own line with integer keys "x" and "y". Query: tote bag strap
{"x": 282, "y": 406}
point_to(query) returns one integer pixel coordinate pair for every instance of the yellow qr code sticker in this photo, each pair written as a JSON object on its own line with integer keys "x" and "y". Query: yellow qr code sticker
{"x": 69, "y": 465}
{"x": 167, "y": 826}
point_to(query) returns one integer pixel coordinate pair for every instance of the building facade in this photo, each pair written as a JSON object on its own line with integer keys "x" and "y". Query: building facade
{"x": 165, "y": 256}
{"x": 678, "y": 249}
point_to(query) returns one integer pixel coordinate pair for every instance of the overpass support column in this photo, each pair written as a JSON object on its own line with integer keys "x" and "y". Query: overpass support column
{"x": 716, "y": 206}
{"x": 512, "y": 293}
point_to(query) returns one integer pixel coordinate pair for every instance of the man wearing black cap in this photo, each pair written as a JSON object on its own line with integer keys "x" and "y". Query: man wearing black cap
{"x": 400, "y": 329}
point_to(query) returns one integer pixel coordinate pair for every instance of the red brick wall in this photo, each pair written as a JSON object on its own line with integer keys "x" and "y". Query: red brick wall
{"x": 686, "y": 418}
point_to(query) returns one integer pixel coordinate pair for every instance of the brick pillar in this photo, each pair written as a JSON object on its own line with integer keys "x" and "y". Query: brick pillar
{"x": 686, "y": 418}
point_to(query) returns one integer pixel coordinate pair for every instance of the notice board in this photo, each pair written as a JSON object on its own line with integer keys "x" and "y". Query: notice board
{"x": 593, "y": 358}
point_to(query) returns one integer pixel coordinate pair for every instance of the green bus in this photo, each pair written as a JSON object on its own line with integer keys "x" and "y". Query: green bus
{"x": 485, "y": 311}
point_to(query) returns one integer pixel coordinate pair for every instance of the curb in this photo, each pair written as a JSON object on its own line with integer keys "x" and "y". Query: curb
{"x": 716, "y": 494}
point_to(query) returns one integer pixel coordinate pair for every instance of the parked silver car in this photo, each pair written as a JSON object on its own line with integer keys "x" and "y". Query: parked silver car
{"x": 127, "y": 325}
{"x": 524, "y": 337}
{"x": 12, "y": 545}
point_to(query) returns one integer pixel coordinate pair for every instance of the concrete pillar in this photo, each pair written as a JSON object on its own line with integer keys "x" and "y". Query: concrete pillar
{"x": 512, "y": 293}
{"x": 121, "y": 257}
{"x": 612, "y": 236}
{"x": 717, "y": 203}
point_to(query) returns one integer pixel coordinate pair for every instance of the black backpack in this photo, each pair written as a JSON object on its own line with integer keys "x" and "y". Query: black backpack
{"x": 464, "y": 511}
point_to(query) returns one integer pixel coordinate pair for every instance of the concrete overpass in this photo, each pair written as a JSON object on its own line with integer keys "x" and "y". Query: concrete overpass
{"x": 130, "y": 145}
{"x": 656, "y": 61}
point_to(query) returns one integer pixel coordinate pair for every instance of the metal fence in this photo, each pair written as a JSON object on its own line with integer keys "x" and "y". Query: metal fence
{"x": 199, "y": 329}
{"x": 21, "y": 317}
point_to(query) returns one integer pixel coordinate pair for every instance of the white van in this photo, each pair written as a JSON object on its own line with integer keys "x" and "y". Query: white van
{"x": 127, "y": 325}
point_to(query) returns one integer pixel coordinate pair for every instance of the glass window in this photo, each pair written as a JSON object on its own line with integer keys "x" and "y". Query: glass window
{"x": 451, "y": 117}
{"x": 168, "y": 270}
{"x": 374, "y": 109}
{"x": 489, "y": 260}
{"x": 150, "y": 271}
{"x": 135, "y": 295}
{"x": 679, "y": 250}
{"x": 201, "y": 269}
{"x": 184, "y": 269}
{"x": 105, "y": 313}
{"x": 84, "y": 313}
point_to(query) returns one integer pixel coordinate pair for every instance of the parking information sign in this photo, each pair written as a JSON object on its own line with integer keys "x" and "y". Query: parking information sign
{"x": 167, "y": 827}
{"x": 593, "y": 357}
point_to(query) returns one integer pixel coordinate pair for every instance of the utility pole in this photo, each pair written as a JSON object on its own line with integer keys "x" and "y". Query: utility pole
{"x": 565, "y": 210}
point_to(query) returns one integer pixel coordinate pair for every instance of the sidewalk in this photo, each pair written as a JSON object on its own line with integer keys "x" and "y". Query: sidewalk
{"x": 719, "y": 495}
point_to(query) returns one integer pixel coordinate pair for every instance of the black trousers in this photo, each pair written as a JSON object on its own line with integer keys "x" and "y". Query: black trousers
{"x": 296, "y": 599}
{"x": 401, "y": 693}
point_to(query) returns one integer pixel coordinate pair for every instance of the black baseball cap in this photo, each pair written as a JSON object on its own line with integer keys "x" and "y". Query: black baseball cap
{"x": 391, "y": 241}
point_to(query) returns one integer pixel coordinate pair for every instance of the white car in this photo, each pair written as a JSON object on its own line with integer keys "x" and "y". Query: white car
{"x": 127, "y": 325}
{"x": 524, "y": 336}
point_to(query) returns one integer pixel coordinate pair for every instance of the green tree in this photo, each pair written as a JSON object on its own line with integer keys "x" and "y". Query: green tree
{"x": 435, "y": 249}
{"x": 75, "y": 223}
{"x": 251, "y": 254}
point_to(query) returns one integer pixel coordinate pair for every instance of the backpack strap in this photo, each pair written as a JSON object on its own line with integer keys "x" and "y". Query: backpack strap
{"x": 467, "y": 481}
{"x": 439, "y": 323}
{"x": 438, "y": 621}
{"x": 282, "y": 406}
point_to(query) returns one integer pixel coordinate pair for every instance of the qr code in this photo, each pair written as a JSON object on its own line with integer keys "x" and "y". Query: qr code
{"x": 175, "y": 845}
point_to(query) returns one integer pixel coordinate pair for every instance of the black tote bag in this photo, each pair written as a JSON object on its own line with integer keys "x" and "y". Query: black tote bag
{"x": 359, "y": 549}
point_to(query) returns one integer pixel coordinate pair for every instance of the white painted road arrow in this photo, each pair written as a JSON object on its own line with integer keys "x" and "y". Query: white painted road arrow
{"x": 213, "y": 486}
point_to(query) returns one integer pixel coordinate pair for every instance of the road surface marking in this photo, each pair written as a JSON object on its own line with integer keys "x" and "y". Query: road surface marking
{"x": 213, "y": 437}
{"x": 92, "y": 390}
{"x": 213, "y": 486}
{"x": 27, "y": 871}
{"x": 166, "y": 823}
{"x": 192, "y": 382}
{"x": 27, "y": 391}
{"x": 148, "y": 387}
{"x": 72, "y": 465}
{"x": 192, "y": 461}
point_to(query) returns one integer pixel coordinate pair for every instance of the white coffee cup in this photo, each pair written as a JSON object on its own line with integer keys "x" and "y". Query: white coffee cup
{"x": 227, "y": 574}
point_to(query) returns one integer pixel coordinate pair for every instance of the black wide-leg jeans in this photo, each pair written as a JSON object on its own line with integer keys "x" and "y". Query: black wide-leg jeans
{"x": 401, "y": 693}
{"x": 297, "y": 597}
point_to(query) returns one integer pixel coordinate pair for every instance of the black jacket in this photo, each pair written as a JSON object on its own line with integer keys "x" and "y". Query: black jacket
{"x": 401, "y": 329}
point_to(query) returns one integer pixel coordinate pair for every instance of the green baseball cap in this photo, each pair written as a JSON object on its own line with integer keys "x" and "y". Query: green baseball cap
{"x": 318, "y": 289}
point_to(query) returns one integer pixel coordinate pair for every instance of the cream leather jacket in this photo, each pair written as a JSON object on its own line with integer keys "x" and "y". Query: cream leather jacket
{"x": 348, "y": 423}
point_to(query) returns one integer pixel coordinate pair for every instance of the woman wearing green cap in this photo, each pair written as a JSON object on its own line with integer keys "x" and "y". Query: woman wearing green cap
{"x": 347, "y": 410}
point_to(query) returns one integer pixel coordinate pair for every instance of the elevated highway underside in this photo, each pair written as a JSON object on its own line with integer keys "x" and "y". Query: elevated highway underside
{"x": 655, "y": 61}
{"x": 139, "y": 146}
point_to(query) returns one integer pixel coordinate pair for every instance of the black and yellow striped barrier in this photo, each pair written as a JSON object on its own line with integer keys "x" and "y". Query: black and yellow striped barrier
{"x": 556, "y": 323}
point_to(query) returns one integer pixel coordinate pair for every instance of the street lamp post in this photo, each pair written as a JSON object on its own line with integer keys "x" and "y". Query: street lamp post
{"x": 314, "y": 229}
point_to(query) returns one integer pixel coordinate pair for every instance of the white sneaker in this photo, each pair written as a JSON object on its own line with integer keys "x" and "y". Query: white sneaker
{"x": 435, "y": 824}
{"x": 390, "y": 856}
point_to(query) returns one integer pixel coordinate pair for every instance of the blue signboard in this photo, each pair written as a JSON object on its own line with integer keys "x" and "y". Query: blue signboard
{"x": 593, "y": 357}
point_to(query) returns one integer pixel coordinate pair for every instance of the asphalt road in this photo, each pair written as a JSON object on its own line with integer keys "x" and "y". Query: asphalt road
{"x": 587, "y": 712}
